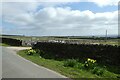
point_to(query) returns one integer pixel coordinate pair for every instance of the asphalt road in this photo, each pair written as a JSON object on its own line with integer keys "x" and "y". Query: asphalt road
{"x": 0, "y": 62}
{"x": 14, "y": 66}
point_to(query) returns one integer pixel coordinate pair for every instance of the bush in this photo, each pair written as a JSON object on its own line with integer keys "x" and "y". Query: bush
{"x": 31, "y": 52}
{"x": 79, "y": 66}
{"x": 43, "y": 54}
{"x": 40, "y": 52}
{"x": 70, "y": 63}
{"x": 90, "y": 63}
{"x": 12, "y": 42}
{"x": 37, "y": 51}
{"x": 97, "y": 70}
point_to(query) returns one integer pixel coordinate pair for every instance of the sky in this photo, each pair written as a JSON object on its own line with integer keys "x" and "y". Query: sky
{"x": 54, "y": 18}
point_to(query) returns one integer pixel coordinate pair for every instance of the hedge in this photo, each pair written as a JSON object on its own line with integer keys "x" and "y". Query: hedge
{"x": 105, "y": 54}
{"x": 12, "y": 42}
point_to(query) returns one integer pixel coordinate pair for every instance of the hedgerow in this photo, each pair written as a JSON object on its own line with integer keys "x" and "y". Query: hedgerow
{"x": 104, "y": 54}
{"x": 12, "y": 42}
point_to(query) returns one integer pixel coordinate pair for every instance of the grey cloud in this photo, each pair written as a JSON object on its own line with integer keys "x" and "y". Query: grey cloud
{"x": 56, "y": 20}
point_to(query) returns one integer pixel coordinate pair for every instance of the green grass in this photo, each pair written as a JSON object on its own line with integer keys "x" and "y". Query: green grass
{"x": 111, "y": 42}
{"x": 58, "y": 66}
{"x": 3, "y": 44}
{"x": 7, "y": 45}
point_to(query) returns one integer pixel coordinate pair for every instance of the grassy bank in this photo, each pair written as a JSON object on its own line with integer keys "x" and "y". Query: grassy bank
{"x": 72, "y": 72}
{"x": 3, "y": 44}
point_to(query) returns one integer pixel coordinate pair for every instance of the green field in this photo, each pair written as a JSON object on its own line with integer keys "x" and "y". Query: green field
{"x": 78, "y": 39}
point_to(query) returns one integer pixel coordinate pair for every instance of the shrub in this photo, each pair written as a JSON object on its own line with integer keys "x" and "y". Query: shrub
{"x": 79, "y": 66}
{"x": 90, "y": 63}
{"x": 31, "y": 52}
{"x": 70, "y": 63}
{"x": 97, "y": 70}
{"x": 37, "y": 51}
{"x": 42, "y": 53}
{"x": 12, "y": 42}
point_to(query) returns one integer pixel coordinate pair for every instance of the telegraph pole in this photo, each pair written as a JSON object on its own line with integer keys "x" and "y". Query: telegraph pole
{"x": 106, "y": 36}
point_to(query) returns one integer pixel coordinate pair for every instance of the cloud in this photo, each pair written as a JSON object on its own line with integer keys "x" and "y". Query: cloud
{"x": 21, "y": 7}
{"x": 100, "y": 3}
{"x": 0, "y": 29}
{"x": 58, "y": 20}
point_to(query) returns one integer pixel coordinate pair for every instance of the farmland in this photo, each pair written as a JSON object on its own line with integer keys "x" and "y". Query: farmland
{"x": 67, "y": 39}
{"x": 68, "y": 55}
{"x": 75, "y": 68}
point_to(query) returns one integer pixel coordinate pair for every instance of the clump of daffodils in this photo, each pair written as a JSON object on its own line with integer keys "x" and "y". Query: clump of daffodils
{"x": 31, "y": 52}
{"x": 90, "y": 63}
{"x": 91, "y": 60}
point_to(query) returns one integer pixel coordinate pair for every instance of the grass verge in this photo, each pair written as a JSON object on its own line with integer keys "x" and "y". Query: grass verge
{"x": 3, "y": 44}
{"x": 58, "y": 66}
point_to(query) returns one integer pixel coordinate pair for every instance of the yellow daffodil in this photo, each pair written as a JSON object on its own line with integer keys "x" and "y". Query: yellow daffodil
{"x": 91, "y": 60}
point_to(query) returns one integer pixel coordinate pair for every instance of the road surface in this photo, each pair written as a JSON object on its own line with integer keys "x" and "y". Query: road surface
{"x": 0, "y": 62}
{"x": 14, "y": 66}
